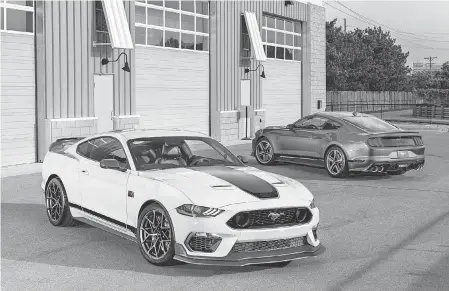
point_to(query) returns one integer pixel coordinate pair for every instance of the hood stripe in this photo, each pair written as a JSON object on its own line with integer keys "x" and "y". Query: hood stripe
{"x": 245, "y": 181}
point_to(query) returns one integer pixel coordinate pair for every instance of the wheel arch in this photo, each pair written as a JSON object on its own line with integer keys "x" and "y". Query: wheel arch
{"x": 155, "y": 201}
{"x": 270, "y": 139}
{"x": 334, "y": 144}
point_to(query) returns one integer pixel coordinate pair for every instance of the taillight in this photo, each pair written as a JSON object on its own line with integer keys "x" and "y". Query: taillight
{"x": 374, "y": 142}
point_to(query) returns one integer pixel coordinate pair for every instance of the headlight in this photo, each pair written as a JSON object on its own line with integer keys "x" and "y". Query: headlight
{"x": 312, "y": 204}
{"x": 198, "y": 211}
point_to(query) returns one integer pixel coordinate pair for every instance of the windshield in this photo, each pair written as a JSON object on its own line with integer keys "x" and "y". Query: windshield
{"x": 173, "y": 152}
{"x": 371, "y": 123}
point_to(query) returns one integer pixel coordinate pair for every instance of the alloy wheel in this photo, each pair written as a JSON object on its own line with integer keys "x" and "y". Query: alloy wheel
{"x": 54, "y": 201}
{"x": 335, "y": 162}
{"x": 155, "y": 234}
{"x": 264, "y": 152}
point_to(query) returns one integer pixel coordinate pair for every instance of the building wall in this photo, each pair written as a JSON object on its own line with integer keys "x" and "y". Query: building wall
{"x": 227, "y": 69}
{"x": 66, "y": 62}
{"x": 17, "y": 81}
{"x": 318, "y": 57}
{"x": 172, "y": 88}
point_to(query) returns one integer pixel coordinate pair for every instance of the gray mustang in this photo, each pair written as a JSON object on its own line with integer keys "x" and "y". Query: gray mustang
{"x": 341, "y": 142}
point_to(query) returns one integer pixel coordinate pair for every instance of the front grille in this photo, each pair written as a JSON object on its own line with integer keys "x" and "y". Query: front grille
{"x": 270, "y": 218}
{"x": 203, "y": 244}
{"x": 395, "y": 141}
{"x": 257, "y": 246}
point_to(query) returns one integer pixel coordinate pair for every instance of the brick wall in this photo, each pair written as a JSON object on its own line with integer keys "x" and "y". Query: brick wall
{"x": 70, "y": 127}
{"x": 229, "y": 121}
{"x": 318, "y": 57}
{"x": 126, "y": 122}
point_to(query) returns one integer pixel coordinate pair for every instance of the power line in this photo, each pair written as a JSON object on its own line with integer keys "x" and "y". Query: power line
{"x": 430, "y": 61}
{"x": 419, "y": 45}
{"x": 398, "y": 31}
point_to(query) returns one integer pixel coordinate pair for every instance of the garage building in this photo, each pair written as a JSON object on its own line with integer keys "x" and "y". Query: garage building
{"x": 223, "y": 68}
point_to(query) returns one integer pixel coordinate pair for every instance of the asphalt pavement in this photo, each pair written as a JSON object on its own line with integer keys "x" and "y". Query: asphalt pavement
{"x": 381, "y": 233}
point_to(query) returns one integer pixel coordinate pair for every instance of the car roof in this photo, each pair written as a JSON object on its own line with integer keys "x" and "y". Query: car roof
{"x": 149, "y": 133}
{"x": 342, "y": 114}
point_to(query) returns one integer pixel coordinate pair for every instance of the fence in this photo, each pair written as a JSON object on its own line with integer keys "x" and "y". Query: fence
{"x": 377, "y": 109}
{"x": 361, "y": 97}
{"x": 431, "y": 111}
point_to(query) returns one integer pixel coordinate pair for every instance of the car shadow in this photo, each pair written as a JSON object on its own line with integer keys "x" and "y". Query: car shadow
{"x": 28, "y": 236}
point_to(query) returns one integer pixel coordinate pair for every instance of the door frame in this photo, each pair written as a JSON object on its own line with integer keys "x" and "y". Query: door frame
{"x": 113, "y": 96}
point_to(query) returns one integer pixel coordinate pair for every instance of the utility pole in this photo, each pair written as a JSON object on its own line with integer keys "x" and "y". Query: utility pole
{"x": 344, "y": 23}
{"x": 430, "y": 61}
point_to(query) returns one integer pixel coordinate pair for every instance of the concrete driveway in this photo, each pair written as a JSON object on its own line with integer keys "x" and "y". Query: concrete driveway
{"x": 381, "y": 233}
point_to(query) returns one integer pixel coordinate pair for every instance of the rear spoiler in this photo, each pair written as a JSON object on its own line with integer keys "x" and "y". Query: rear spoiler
{"x": 62, "y": 144}
{"x": 397, "y": 133}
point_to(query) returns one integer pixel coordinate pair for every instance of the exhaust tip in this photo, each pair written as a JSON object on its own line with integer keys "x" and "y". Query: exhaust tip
{"x": 381, "y": 169}
{"x": 374, "y": 169}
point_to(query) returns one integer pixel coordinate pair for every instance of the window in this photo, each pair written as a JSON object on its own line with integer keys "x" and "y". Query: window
{"x": 101, "y": 26}
{"x": 177, "y": 24}
{"x": 314, "y": 123}
{"x": 370, "y": 123}
{"x": 17, "y": 16}
{"x": 281, "y": 38}
{"x": 246, "y": 41}
{"x": 331, "y": 125}
{"x": 103, "y": 148}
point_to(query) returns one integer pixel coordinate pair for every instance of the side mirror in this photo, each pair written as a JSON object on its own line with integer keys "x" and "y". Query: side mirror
{"x": 112, "y": 164}
{"x": 243, "y": 159}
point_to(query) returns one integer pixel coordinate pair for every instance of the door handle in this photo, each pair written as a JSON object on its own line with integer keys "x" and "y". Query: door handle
{"x": 85, "y": 172}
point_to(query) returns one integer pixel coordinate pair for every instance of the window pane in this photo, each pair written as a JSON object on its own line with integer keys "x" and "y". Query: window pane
{"x": 298, "y": 55}
{"x": 155, "y": 37}
{"x": 188, "y": 6}
{"x": 280, "y": 38}
{"x": 202, "y": 43}
{"x": 288, "y": 54}
{"x": 202, "y": 7}
{"x": 143, "y": 1}
{"x": 19, "y": 20}
{"x": 1, "y": 18}
{"x": 289, "y": 39}
{"x": 280, "y": 53}
{"x": 264, "y": 33}
{"x": 270, "y": 36}
{"x": 280, "y": 24}
{"x": 187, "y": 22}
{"x": 174, "y": 4}
{"x": 202, "y": 25}
{"x": 298, "y": 27}
{"x": 155, "y": 2}
{"x": 21, "y": 2}
{"x": 271, "y": 22}
{"x": 188, "y": 41}
{"x": 298, "y": 41}
{"x": 271, "y": 51}
{"x": 264, "y": 21}
{"x": 289, "y": 26}
{"x": 140, "y": 15}
{"x": 140, "y": 35}
{"x": 171, "y": 19}
{"x": 155, "y": 17}
{"x": 172, "y": 39}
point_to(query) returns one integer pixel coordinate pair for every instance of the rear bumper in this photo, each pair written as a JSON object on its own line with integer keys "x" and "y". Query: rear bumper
{"x": 251, "y": 258}
{"x": 386, "y": 164}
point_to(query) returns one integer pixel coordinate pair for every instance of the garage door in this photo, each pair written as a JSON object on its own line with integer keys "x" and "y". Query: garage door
{"x": 18, "y": 139}
{"x": 172, "y": 89}
{"x": 282, "y": 92}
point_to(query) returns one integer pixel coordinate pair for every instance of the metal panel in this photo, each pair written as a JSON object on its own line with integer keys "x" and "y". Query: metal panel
{"x": 117, "y": 24}
{"x": 254, "y": 34}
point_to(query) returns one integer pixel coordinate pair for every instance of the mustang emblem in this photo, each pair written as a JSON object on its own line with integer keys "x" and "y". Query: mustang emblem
{"x": 273, "y": 215}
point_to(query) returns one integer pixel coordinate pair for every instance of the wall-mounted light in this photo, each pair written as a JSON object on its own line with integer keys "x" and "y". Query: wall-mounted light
{"x": 126, "y": 68}
{"x": 261, "y": 75}
{"x": 287, "y": 3}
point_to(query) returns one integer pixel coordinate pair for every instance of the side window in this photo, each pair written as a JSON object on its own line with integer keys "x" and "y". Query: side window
{"x": 315, "y": 122}
{"x": 331, "y": 125}
{"x": 104, "y": 148}
{"x": 84, "y": 149}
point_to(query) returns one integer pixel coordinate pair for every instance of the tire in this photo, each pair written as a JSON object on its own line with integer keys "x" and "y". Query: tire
{"x": 339, "y": 169}
{"x": 264, "y": 152}
{"x": 57, "y": 204}
{"x": 163, "y": 256}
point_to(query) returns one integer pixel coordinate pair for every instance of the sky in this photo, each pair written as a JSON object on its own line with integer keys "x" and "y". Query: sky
{"x": 420, "y": 27}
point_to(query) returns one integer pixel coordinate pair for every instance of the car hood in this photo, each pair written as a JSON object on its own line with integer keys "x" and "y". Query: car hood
{"x": 219, "y": 186}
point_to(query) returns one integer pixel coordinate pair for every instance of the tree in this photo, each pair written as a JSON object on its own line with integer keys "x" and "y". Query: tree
{"x": 364, "y": 60}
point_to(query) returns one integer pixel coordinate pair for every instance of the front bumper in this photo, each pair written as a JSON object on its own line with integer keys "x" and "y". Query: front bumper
{"x": 225, "y": 254}
{"x": 251, "y": 258}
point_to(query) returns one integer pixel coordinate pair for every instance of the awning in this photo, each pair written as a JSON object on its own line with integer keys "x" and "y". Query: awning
{"x": 254, "y": 35}
{"x": 118, "y": 25}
